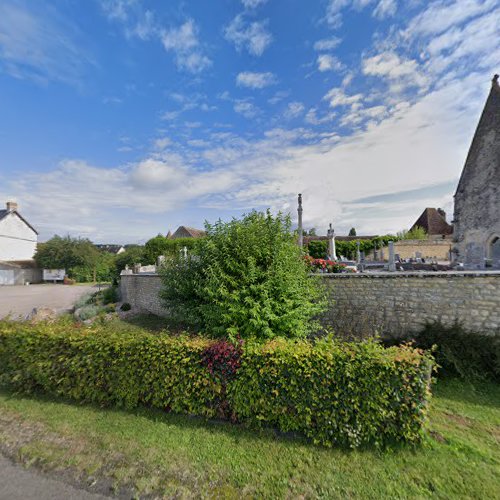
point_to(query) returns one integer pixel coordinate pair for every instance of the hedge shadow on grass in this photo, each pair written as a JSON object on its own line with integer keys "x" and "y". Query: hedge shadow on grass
{"x": 239, "y": 431}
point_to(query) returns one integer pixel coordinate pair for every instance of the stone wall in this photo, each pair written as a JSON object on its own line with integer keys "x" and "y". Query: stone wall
{"x": 397, "y": 303}
{"x": 141, "y": 291}
{"x": 391, "y": 303}
{"x": 437, "y": 250}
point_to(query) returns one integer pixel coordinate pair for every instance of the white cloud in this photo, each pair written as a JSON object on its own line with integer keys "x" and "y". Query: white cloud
{"x": 255, "y": 80}
{"x": 294, "y": 109}
{"x": 118, "y": 9}
{"x": 402, "y": 72}
{"x": 327, "y": 43}
{"x": 161, "y": 143}
{"x": 385, "y": 8}
{"x": 247, "y": 109}
{"x": 389, "y": 64}
{"x": 252, "y": 36}
{"x": 137, "y": 22}
{"x": 39, "y": 44}
{"x": 183, "y": 42}
{"x": 326, "y": 62}
{"x": 337, "y": 97}
{"x": 313, "y": 119}
{"x": 443, "y": 14}
{"x": 252, "y": 4}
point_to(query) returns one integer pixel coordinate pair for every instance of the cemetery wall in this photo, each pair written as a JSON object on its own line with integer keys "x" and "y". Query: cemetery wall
{"x": 141, "y": 291}
{"x": 391, "y": 303}
{"x": 428, "y": 249}
{"x": 395, "y": 303}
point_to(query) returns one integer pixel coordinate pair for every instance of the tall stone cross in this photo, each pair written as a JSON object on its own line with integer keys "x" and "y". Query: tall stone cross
{"x": 332, "y": 254}
{"x": 300, "y": 228}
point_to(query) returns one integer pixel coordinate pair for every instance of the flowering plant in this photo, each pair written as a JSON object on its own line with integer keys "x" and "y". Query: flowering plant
{"x": 325, "y": 265}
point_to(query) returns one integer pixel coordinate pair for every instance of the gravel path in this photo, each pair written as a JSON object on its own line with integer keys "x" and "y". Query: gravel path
{"x": 20, "y": 300}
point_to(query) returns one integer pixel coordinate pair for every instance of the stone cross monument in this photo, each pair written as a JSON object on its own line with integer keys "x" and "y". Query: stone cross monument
{"x": 300, "y": 228}
{"x": 332, "y": 254}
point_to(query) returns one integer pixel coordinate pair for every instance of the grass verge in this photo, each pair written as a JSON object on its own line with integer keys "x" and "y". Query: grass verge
{"x": 169, "y": 455}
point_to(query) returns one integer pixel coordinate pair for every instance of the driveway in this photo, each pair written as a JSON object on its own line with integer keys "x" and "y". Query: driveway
{"x": 17, "y": 483}
{"x": 20, "y": 300}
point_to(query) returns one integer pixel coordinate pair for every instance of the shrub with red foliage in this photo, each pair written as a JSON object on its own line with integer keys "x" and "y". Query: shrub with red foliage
{"x": 223, "y": 359}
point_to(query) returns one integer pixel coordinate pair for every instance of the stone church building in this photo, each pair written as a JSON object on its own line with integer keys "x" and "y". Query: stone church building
{"x": 477, "y": 199}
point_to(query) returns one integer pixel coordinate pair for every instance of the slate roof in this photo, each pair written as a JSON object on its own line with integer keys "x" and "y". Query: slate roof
{"x": 187, "y": 232}
{"x": 4, "y": 213}
{"x": 110, "y": 248}
{"x": 433, "y": 221}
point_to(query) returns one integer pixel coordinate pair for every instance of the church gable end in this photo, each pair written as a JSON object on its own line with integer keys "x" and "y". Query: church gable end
{"x": 477, "y": 199}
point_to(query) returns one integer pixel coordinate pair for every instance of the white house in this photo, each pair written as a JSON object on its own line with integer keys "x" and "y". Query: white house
{"x": 18, "y": 238}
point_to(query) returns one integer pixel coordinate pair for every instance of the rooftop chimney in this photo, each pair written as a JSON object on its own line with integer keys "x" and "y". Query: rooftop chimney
{"x": 11, "y": 206}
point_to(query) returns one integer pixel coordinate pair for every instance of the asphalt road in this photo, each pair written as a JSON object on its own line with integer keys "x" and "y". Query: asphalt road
{"x": 17, "y": 483}
{"x": 20, "y": 300}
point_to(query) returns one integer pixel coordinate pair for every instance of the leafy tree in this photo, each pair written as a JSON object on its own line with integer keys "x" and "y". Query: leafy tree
{"x": 101, "y": 269}
{"x": 417, "y": 233}
{"x": 246, "y": 278}
{"x": 352, "y": 232}
{"x": 65, "y": 253}
{"x": 154, "y": 248}
{"x": 134, "y": 254}
{"x": 311, "y": 232}
{"x": 159, "y": 245}
{"x": 318, "y": 249}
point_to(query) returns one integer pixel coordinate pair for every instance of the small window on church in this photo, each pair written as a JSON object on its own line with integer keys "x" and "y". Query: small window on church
{"x": 494, "y": 252}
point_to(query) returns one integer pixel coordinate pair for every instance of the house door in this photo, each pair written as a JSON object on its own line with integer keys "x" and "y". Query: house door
{"x": 7, "y": 277}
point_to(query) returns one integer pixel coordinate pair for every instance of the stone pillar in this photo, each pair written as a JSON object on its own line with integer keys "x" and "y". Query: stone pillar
{"x": 392, "y": 261}
{"x": 300, "y": 228}
{"x": 358, "y": 253}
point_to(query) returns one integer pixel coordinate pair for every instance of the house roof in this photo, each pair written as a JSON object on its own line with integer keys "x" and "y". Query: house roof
{"x": 4, "y": 213}
{"x": 110, "y": 248}
{"x": 433, "y": 221}
{"x": 187, "y": 232}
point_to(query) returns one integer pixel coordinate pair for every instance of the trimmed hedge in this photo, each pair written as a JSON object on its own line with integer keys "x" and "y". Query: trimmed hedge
{"x": 351, "y": 394}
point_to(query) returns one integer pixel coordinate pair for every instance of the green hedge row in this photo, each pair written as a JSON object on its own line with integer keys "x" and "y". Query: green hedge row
{"x": 350, "y": 394}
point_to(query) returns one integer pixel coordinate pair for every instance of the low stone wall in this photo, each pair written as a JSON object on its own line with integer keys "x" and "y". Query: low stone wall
{"x": 391, "y": 303}
{"x": 141, "y": 291}
{"x": 402, "y": 302}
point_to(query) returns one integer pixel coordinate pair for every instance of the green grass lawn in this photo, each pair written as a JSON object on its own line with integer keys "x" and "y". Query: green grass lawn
{"x": 155, "y": 452}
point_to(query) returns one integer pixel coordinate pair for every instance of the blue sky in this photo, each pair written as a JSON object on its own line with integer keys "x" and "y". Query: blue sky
{"x": 122, "y": 119}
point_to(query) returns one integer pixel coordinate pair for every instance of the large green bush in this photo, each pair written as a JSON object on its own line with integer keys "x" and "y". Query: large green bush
{"x": 351, "y": 394}
{"x": 319, "y": 248}
{"x": 160, "y": 245}
{"x": 470, "y": 355}
{"x": 246, "y": 278}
